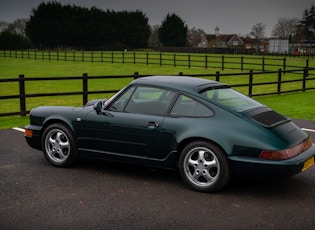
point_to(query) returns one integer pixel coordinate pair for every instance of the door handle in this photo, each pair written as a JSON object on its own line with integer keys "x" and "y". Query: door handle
{"x": 152, "y": 124}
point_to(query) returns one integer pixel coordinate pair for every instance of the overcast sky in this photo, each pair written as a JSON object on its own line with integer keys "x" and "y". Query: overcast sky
{"x": 231, "y": 16}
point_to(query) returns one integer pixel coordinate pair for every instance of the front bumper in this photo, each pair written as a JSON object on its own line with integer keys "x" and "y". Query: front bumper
{"x": 33, "y": 136}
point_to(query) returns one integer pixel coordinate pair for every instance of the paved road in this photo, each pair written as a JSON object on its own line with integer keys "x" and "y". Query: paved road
{"x": 98, "y": 195}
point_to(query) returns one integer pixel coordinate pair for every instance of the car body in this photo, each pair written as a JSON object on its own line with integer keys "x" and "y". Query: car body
{"x": 202, "y": 128}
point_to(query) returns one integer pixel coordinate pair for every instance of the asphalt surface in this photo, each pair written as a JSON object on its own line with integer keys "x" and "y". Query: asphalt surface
{"x": 100, "y": 195}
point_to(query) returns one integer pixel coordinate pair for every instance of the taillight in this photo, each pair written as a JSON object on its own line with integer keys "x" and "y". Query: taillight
{"x": 286, "y": 153}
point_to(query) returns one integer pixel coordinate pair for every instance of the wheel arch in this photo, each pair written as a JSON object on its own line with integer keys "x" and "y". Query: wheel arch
{"x": 186, "y": 141}
{"x": 57, "y": 121}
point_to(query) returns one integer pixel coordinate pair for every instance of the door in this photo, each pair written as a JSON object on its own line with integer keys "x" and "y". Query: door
{"x": 130, "y": 125}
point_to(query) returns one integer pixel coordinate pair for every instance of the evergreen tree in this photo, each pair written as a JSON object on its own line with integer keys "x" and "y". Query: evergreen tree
{"x": 308, "y": 23}
{"x": 53, "y": 25}
{"x": 173, "y": 31}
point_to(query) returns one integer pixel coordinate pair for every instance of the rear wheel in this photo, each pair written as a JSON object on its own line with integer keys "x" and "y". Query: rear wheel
{"x": 58, "y": 146}
{"x": 204, "y": 167}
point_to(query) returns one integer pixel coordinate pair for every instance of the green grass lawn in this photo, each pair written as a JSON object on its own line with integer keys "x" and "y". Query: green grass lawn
{"x": 294, "y": 105}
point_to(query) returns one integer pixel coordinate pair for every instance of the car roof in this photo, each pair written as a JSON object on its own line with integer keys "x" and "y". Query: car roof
{"x": 184, "y": 83}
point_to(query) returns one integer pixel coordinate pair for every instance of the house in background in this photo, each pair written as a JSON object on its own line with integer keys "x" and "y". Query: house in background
{"x": 220, "y": 40}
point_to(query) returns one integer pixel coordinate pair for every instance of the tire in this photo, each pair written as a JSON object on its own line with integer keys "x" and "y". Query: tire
{"x": 58, "y": 146}
{"x": 204, "y": 167}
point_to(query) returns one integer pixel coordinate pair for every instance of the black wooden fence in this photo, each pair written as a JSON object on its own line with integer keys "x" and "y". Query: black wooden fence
{"x": 200, "y": 60}
{"x": 305, "y": 81}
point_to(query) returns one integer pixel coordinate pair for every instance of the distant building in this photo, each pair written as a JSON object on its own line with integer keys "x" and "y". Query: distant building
{"x": 303, "y": 47}
{"x": 280, "y": 46}
{"x": 221, "y": 41}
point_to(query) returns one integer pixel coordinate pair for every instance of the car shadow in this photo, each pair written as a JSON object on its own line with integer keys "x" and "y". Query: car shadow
{"x": 128, "y": 170}
{"x": 301, "y": 184}
{"x": 296, "y": 186}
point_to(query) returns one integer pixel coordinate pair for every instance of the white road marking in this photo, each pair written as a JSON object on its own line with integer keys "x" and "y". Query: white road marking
{"x": 23, "y": 130}
{"x": 19, "y": 129}
{"x": 308, "y": 130}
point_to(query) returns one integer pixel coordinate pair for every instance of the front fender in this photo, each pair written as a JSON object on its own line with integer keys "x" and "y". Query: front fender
{"x": 73, "y": 117}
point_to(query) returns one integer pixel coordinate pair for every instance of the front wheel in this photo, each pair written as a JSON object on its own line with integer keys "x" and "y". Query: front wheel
{"x": 58, "y": 146}
{"x": 204, "y": 167}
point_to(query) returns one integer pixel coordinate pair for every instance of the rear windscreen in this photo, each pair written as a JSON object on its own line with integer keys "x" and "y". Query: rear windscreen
{"x": 231, "y": 99}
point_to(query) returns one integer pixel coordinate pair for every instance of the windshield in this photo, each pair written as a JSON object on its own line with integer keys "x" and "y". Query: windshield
{"x": 230, "y": 98}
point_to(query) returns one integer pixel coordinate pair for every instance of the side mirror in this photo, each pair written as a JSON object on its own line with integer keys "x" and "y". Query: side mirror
{"x": 98, "y": 107}
{"x": 93, "y": 102}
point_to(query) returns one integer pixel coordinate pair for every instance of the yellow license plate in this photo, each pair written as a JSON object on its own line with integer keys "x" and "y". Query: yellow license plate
{"x": 308, "y": 164}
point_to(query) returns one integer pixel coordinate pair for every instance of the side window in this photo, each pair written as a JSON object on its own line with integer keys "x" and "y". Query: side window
{"x": 188, "y": 107}
{"x": 150, "y": 100}
{"x": 121, "y": 102}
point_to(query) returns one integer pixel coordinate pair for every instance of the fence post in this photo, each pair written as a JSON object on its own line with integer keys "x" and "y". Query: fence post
{"x": 250, "y": 83}
{"x": 189, "y": 61}
{"x": 147, "y": 57}
{"x": 123, "y": 57}
{"x": 22, "y": 95}
{"x": 242, "y": 63}
{"x": 284, "y": 64}
{"x": 160, "y": 58}
{"x": 222, "y": 62}
{"x": 263, "y": 64}
{"x": 85, "y": 88}
{"x": 134, "y": 57}
{"x": 174, "y": 60}
{"x": 206, "y": 61}
{"x": 217, "y": 76}
{"x": 305, "y": 75}
{"x": 136, "y": 75}
{"x": 180, "y": 74}
{"x": 279, "y": 81}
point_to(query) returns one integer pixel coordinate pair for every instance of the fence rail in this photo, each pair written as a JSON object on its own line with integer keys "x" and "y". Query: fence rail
{"x": 247, "y": 62}
{"x": 306, "y": 78}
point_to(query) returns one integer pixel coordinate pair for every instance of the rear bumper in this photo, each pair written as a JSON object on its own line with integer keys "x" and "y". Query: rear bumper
{"x": 34, "y": 140}
{"x": 246, "y": 167}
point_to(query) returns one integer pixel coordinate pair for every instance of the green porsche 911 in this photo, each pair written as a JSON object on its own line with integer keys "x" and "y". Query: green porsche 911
{"x": 202, "y": 128}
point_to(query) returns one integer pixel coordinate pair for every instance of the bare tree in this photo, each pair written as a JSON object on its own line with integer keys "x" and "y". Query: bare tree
{"x": 16, "y": 27}
{"x": 258, "y": 32}
{"x": 285, "y": 28}
{"x": 3, "y": 25}
{"x": 195, "y": 35}
{"x": 154, "y": 40}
